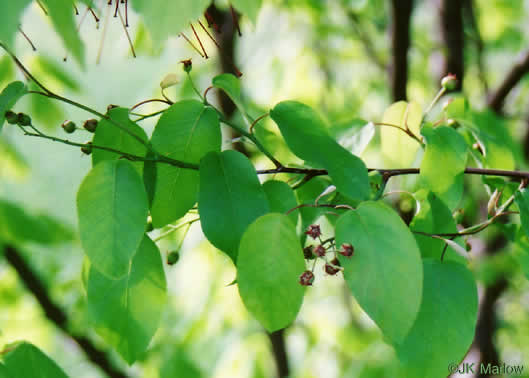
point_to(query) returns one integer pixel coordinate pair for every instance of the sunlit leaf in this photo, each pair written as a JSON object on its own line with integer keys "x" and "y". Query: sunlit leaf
{"x": 306, "y": 135}
{"x": 449, "y": 298}
{"x": 269, "y": 264}
{"x": 112, "y": 211}
{"x": 385, "y": 272}
{"x": 26, "y": 360}
{"x": 126, "y": 312}
{"x": 230, "y": 199}
{"x": 8, "y": 98}
{"x": 10, "y": 17}
{"x": 186, "y": 131}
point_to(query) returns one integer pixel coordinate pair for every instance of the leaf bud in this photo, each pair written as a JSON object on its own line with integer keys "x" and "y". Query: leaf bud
{"x": 449, "y": 82}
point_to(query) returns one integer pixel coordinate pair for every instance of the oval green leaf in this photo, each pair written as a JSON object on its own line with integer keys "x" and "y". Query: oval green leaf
{"x": 112, "y": 211}
{"x": 186, "y": 131}
{"x": 26, "y": 360}
{"x": 230, "y": 199}
{"x": 385, "y": 272}
{"x": 446, "y": 321}
{"x": 281, "y": 198}
{"x": 444, "y": 163}
{"x": 231, "y": 86}
{"x": 268, "y": 268}
{"x": 433, "y": 218}
{"x": 521, "y": 198}
{"x": 126, "y": 312}
{"x": 109, "y": 135}
{"x": 307, "y": 136}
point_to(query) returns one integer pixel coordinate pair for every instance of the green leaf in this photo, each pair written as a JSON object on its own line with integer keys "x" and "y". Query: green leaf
{"x": 398, "y": 149}
{"x": 444, "y": 163}
{"x": 433, "y": 218}
{"x": 150, "y": 173}
{"x": 522, "y": 200}
{"x": 26, "y": 360}
{"x": 186, "y": 131}
{"x": 268, "y": 268}
{"x": 112, "y": 211}
{"x": 164, "y": 19}
{"x": 385, "y": 272}
{"x": 126, "y": 312}
{"x": 109, "y": 135}
{"x": 13, "y": 165}
{"x": 179, "y": 361}
{"x": 446, "y": 322}
{"x": 231, "y": 85}
{"x": 230, "y": 199}
{"x": 250, "y": 8}
{"x": 10, "y": 18}
{"x": 307, "y": 136}
{"x": 493, "y": 136}
{"x": 63, "y": 20}
{"x": 8, "y": 98}
{"x": 281, "y": 198}
{"x": 17, "y": 226}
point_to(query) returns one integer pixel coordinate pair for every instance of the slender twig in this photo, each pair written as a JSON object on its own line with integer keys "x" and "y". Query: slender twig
{"x": 127, "y": 34}
{"x": 149, "y": 101}
{"x": 406, "y": 130}
{"x": 257, "y": 121}
{"x": 175, "y": 228}
{"x": 209, "y": 35}
{"x": 199, "y": 41}
{"x": 192, "y": 45}
{"x": 27, "y": 38}
{"x": 194, "y": 87}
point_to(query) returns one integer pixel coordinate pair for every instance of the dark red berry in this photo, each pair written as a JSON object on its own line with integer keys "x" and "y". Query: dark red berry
{"x": 330, "y": 270}
{"x": 90, "y": 125}
{"x": 335, "y": 262}
{"x": 306, "y": 278}
{"x": 313, "y": 231}
{"x": 319, "y": 250}
{"x": 346, "y": 250}
{"x": 307, "y": 252}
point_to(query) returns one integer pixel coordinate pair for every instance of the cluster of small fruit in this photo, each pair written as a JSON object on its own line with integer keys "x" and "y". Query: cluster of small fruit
{"x": 321, "y": 251}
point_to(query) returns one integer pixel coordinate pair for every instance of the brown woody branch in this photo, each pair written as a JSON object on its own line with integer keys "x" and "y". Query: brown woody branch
{"x": 401, "y": 11}
{"x": 519, "y": 69}
{"x": 451, "y": 24}
{"x": 56, "y": 315}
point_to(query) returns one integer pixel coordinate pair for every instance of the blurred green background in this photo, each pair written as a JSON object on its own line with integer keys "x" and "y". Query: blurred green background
{"x": 313, "y": 51}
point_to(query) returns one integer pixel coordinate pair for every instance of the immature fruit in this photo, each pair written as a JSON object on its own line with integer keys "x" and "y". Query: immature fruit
{"x": 23, "y": 119}
{"x": 335, "y": 262}
{"x": 313, "y": 231}
{"x": 330, "y": 270}
{"x": 319, "y": 250}
{"x": 306, "y": 278}
{"x": 149, "y": 227}
{"x": 188, "y": 65}
{"x": 11, "y": 117}
{"x": 346, "y": 250}
{"x": 87, "y": 149}
{"x": 172, "y": 257}
{"x": 68, "y": 126}
{"x": 90, "y": 125}
{"x": 449, "y": 82}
